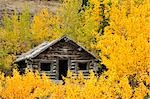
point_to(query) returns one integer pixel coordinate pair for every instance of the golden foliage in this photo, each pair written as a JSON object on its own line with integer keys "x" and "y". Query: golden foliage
{"x": 32, "y": 85}
{"x": 42, "y": 27}
{"x": 125, "y": 49}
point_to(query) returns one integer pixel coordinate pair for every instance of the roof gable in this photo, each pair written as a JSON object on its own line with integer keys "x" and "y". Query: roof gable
{"x": 42, "y": 47}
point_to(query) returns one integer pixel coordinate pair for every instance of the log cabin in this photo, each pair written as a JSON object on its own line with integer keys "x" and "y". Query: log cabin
{"x": 55, "y": 58}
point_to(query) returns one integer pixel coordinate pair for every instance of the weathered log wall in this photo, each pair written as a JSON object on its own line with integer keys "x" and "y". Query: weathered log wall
{"x": 64, "y": 50}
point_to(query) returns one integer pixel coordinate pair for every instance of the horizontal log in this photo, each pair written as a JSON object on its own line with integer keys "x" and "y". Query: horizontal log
{"x": 52, "y": 76}
{"x": 73, "y": 63}
{"x": 48, "y": 73}
{"x": 45, "y": 71}
{"x": 72, "y": 66}
{"x": 83, "y": 71}
{"x": 60, "y": 51}
{"x": 86, "y": 77}
{"x": 79, "y": 58}
{"x": 43, "y": 60}
{"x": 72, "y": 69}
{"x": 54, "y": 63}
{"x": 86, "y": 74}
{"x": 54, "y": 71}
{"x": 65, "y": 55}
{"x": 81, "y": 61}
{"x": 54, "y": 66}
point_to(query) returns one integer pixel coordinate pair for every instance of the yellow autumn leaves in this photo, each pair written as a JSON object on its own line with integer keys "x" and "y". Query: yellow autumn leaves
{"x": 27, "y": 86}
{"x": 124, "y": 48}
{"x": 32, "y": 85}
{"x": 41, "y": 27}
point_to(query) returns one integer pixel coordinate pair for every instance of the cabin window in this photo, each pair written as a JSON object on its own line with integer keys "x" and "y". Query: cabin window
{"x": 83, "y": 66}
{"x": 45, "y": 66}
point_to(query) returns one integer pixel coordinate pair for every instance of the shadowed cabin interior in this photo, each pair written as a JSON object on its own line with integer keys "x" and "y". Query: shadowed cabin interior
{"x": 55, "y": 58}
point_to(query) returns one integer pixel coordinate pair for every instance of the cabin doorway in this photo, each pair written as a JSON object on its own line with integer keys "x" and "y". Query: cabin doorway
{"x": 63, "y": 68}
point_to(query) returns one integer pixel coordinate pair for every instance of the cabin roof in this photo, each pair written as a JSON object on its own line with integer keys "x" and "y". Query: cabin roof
{"x": 42, "y": 47}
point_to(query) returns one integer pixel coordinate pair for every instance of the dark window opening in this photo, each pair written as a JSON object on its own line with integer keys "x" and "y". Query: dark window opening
{"x": 45, "y": 66}
{"x": 63, "y": 68}
{"x": 82, "y": 66}
{"x": 21, "y": 67}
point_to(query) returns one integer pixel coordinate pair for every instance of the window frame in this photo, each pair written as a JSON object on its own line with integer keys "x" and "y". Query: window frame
{"x": 87, "y": 66}
{"x": 48, "y": 62}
